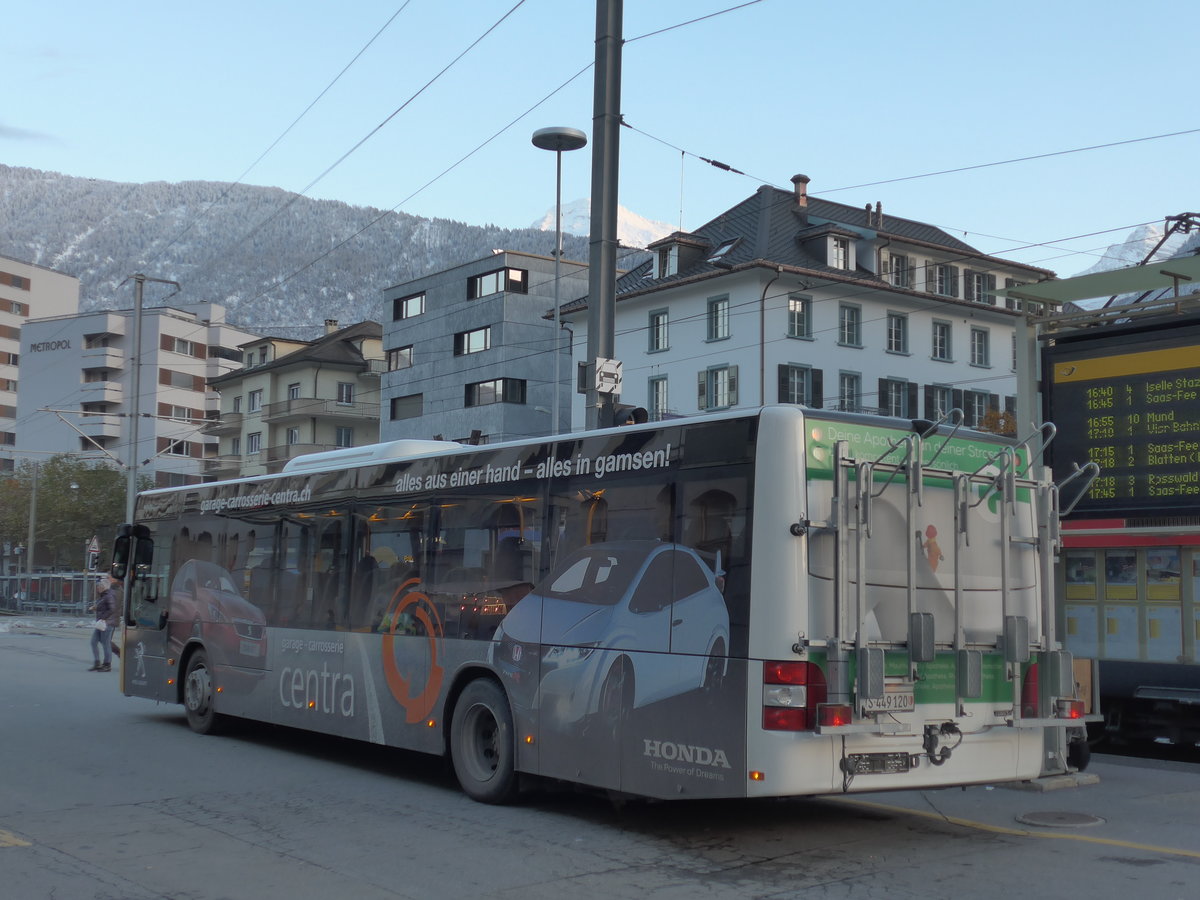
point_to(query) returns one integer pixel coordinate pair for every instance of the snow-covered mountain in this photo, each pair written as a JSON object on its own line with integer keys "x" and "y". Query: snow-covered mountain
{"x": 1133, "y": 250}
{"x": 632, "y": 230}
{"x": 279, "y": 263}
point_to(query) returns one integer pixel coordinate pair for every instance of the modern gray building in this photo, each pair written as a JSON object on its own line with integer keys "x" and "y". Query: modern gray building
{"x": 471, "y": 351}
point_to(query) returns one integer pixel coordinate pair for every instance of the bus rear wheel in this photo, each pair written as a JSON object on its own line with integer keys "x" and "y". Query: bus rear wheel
{"x": 482, "y": 748}
{"x": 199, "y": 696}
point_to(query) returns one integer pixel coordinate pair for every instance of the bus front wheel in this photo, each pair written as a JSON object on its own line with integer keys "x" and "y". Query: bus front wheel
{"x": 198, "y": 695}
{"x": 482, "y": 748}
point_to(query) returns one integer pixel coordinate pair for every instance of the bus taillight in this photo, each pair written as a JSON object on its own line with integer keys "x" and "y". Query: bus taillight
{"x": 1070, "y": 709}
{"x": 792, "y": 691}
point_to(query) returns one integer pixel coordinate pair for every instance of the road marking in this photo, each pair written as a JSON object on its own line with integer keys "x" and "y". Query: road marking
{"x": 8, "y": 839}
{"x": 1022, "y": 832}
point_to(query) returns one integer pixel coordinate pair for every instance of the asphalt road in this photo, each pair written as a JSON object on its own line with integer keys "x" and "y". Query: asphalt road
{"x": 110, "y": 797}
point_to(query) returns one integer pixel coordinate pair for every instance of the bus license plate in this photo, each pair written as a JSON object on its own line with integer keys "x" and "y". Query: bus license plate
{"x": 877, "y": 763}
{"x": 891, "y": 701}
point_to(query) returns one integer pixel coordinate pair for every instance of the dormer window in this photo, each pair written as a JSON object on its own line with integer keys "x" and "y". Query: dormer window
{"x": 668, "y": 261}
{"x": 839, "y": 252}
{"x": 722, "y": 249}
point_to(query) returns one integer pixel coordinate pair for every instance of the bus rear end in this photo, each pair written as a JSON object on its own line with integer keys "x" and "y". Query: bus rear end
{"x": 903, "y": 626}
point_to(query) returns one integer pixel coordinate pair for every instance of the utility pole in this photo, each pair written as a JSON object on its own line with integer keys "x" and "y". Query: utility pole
{"x": 602, "y": 250}
{"x": 135, "y": 391}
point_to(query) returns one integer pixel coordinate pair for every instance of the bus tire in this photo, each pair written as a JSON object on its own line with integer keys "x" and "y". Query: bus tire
{"x": 1079, "y": 754}
{"x": 199, "y": 697}
{"x": 482, "y": 747}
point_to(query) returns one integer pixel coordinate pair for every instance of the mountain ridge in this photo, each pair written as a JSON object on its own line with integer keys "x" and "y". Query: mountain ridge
{"x": 277, "y": 261}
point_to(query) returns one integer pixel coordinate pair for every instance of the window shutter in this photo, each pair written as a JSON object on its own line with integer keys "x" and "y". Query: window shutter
{"x": 816, "y": 388}
{"x": 733, "y": 386}
{"x": 991, "y": 286}
{"x": 994, "y": 402}
{"x": 783, "y": 384}
{"x": 930, "y": 412}
{"x": 953, "y": 280}
{"x": 702, "y": 390}
{"x": 969, "y": 285}
{"x": 881, "y": 403}
{"x": 956, "y": 397}
{"x": 1010, "y": 404}
{"x": 911, "y": 411}
{"x": 930, "y": 277}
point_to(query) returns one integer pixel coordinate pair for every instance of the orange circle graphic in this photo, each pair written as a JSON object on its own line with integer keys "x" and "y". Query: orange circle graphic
{"x": 416, "y": 706}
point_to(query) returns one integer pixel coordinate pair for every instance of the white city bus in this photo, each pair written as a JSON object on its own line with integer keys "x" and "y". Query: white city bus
{"x": 789, "y": 602}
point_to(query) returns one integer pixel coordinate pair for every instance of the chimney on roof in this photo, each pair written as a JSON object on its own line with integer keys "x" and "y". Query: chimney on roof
{"x": 331, "y": 326}
{"x": 801, "y": 183}
{"x": 878, "y": 214}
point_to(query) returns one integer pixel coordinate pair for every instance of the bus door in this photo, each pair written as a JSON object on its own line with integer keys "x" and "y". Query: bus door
{"x": 143, "y": 646}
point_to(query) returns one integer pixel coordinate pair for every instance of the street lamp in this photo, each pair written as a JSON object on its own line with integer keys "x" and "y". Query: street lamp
{"x": 558, "y": 139}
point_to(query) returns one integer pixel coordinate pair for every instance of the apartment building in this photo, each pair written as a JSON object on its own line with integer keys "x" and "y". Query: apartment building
{"x": 77, "y": 394}
{"x": 787, "y": 298}
{"x": 26, "y": 291}
{"x": 290, "y": 397}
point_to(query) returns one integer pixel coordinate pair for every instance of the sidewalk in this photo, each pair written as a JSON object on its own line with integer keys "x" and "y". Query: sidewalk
{"x": 1139, "y": 805}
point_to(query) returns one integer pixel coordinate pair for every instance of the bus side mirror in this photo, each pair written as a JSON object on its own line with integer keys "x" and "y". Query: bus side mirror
{"x": 122, "y": 548}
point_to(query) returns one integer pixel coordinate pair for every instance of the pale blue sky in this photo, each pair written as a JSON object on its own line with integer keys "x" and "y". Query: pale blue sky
{"x": 847, "y": 93}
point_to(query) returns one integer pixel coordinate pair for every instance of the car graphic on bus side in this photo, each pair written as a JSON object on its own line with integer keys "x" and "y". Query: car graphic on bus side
{"x": 206, "y": 604}
{"x": 619, "y": 625}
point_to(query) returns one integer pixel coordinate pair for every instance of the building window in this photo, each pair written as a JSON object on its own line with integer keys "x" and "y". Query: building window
{"x": 262, "y": 355}
{"x": 657, "y": 392}
{"x": 344, "y": 436}
{"x": 942, "y": 279}
{"x": 254, "y": 402}
{"x": 237, "y": 405}
{"x": 254, "y": 442}
{"x": 893, "y": 397}
{"x": 408, "y": 407}
{"x": 1012, "y": 302}
{"x": 473, "y": 341}
{"x": 293, "y": 436}
{"x": 942, "y": 348}
{"x": 293, "y": 391}
{"x": 896, "y": 270}
{"x": 717, "y": 388}
{"x": 658, "y": 331}
{"x": 897, "y": 333}
{"x": 249, "y": 359}
{"x": 799, "y": 324}
{"x": 188, "y": 348}
{"x": 840, "y": 257}
{"x": 498, "y": 390}
{"x": 980, "y": 350}
{"x": 938, "y": 401}
{"x": 400, "y": 358}
{"x": 407, "y": 307}
{"x": 795, "y": 384}
{"x": 179, "y": 448}
{"x": 235, "y": 446}
{"x": 849, "y": 391}
{"x": 181, "y": 412}
{"x": 849, "y": 325}
{"x": 667, "y": 258}
{"x": 718, "y": 318}
{"x": 345, "y": 393}
{"x": 980, "y": 287}
{"x": 515, "y": 281}
{"x": 975, "y": 407}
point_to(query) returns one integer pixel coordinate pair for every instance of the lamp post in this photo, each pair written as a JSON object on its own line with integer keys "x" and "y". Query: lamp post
{"x": 558, "y": 139}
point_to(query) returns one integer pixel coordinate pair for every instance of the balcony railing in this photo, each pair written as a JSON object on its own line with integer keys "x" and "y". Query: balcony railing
{"x": 307, "y": 407}
{"x": 227, "y": 423}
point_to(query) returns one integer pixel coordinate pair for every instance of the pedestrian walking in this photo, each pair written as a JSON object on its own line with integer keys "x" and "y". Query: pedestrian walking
{"x": 107, "y": 616}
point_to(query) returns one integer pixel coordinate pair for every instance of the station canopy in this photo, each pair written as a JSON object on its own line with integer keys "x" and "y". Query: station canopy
{"x": 1166, "y": 273}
